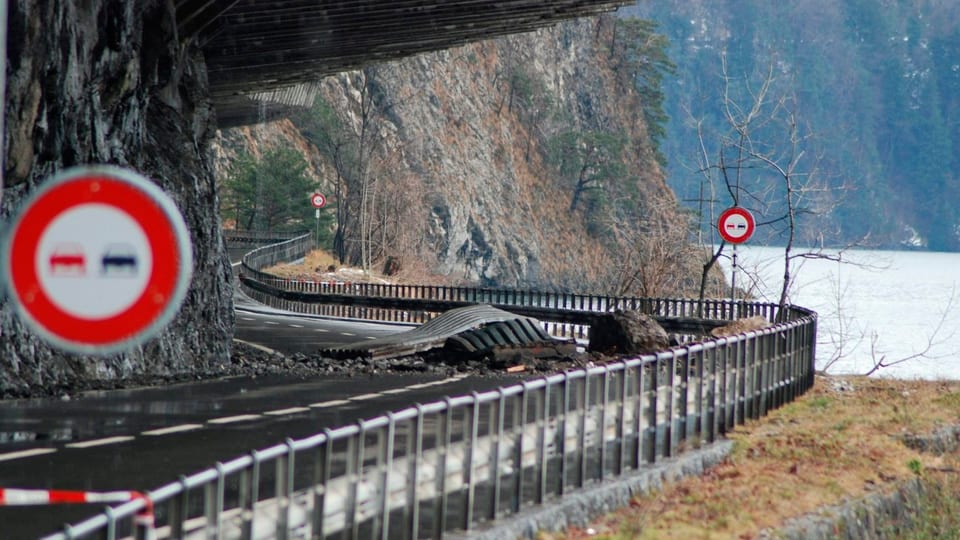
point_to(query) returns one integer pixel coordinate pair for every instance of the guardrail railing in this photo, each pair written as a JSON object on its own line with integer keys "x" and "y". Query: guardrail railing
{"x": 464, "y": 461}
{"x": 456, "y": 464}
{"x": 236, "y": 236}
{"x": 562, "y": 314}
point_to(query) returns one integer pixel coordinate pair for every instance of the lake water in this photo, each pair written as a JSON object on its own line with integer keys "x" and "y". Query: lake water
{"x": 899, "y": 306}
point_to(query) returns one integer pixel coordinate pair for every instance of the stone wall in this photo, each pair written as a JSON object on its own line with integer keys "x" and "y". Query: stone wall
{"x": 108, "y": 82}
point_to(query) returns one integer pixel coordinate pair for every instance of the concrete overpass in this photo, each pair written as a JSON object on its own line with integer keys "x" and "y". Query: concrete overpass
{"x": 264, "y": 57}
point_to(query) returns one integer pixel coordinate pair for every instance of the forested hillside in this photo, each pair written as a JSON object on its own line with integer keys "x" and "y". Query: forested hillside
{"x": 525, "y": 161}
{"x": 873, "y": 87}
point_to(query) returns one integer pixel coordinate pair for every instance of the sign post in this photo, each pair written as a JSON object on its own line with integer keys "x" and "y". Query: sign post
{"x": 736, "y": 225}
{"x": 318, "y": 201}
{"x": 98, "y": 260}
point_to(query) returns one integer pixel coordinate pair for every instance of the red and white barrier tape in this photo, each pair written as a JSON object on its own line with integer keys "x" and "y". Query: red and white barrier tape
{"x": 28, "y": 497}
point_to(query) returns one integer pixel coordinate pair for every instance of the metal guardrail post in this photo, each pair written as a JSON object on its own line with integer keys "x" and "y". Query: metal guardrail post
{"x": 494, "y": 509}
{"x": 321, "y": 479}
{"x": 582, "y": 434}
{"x": 469, "y": 465}
{"x": 444, "y": 438}
{"x": 602, "y": 432}
{"x": 543, "y": 422}
{"x": 387, "y": 465}
{"x": 562, "y": 434}
{"x": 413, "y": 494}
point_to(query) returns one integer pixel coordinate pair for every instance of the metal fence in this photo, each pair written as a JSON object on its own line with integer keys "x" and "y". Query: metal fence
{"x": 562, "y": 314}
{"x": 455, "y": 464}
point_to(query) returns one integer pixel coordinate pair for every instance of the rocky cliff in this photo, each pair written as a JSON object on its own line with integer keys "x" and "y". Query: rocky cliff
{"x": 89, "y": 84}
{"x": 455, "y": 165}
{"x": 447, "y": 163}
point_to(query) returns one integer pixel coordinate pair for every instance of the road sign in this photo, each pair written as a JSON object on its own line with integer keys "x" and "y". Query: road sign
{"x": 736, "y": 225}
{"x": 98, "y": 260}
{"x": 318, "y": 200}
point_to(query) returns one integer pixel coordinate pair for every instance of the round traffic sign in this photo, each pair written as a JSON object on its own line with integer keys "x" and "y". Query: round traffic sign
{"x": 736, "y": 225}
{"x": 318, "y": 200}
{"x": 98, "y": 260}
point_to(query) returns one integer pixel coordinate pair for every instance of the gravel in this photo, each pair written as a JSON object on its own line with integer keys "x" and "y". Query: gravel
{"x": 247, "y": 360}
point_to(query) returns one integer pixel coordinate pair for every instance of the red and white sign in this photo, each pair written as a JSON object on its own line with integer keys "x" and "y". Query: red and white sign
{"x": 736, "y": 225}
{"x": 98, "y": 260}
{"x": 318, "y": 200}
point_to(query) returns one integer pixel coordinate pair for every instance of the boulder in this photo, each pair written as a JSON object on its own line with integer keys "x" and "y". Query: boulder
{"x": 627, "y": 332}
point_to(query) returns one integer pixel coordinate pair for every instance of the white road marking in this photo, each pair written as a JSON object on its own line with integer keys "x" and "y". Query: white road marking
{"x": 247, "y": 318}
{"x": 256, "y": 346}
{"x": 172, "y": 429}
{"x": 26, "y": 453}
{"x": 320, "y": 330}
{"x": 291, "y": 410}
{"x": 295, "y": 326}
{"x": 332, "y": 403}
{"x": 363, "y": 397}
{"x": 271, "y": 322}
{"x": 101, "y": 442}
{"x": 371, "y": 337}
{"x": 394, "y": 391}
{"x": 232, "y": 419}
{"x": 346, "y": 334}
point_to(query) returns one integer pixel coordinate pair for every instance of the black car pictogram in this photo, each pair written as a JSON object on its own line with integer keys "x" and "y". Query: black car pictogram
{"x": 119, "y": 257}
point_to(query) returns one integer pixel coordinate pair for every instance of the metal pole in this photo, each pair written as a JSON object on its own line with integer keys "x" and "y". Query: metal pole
{"x": 733, "y": 278}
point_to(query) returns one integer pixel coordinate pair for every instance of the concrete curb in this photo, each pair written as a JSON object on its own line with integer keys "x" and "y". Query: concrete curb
{"x": 578, "y": 508}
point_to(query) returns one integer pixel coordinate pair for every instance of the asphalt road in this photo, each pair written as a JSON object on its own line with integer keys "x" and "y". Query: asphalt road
{"x": 141, "y": 439}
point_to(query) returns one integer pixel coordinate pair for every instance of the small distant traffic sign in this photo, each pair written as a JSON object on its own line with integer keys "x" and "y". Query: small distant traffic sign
{"x": 318, "y": 200}
{"x": 736, "y": 225}
{"x": 98, "y": 260}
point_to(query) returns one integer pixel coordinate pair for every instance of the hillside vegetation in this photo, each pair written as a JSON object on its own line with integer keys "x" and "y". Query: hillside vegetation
{"x": 874, "y": 84}
{"x": 526, "y": 161}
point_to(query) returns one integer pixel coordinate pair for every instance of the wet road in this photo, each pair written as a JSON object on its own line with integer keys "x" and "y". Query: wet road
{"x": 144, "y": 438}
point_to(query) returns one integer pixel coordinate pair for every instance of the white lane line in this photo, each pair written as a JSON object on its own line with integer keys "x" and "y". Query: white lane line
{"x": 331, "y": 403}
{"x": 394, "y": 391}
{"x": 295, "y": 326}
{"x": 232, "y": 419}
{"x": 346, "y": 334}
{"x": 101, "y": 442}
{"x": 283, "y": 412}
{"x": 271, "y": 322}
{"x": 247, "y": 319}
{"x": 320, "y": 330}
{"x": 172, "y": 429}
{"x": 371, "y": 337}
{"x": 26, "y": 453}
{"x": 256, "y": 346}
{"x": 363, "y": 397}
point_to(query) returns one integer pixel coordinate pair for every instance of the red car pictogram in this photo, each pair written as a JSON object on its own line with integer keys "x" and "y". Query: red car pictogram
{"x": 68, "y": 259}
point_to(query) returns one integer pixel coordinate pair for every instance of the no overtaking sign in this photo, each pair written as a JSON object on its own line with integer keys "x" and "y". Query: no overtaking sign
{"x": 98, "y": 260}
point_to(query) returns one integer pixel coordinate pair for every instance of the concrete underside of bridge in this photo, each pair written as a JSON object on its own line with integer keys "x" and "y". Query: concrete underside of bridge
{"x": 263, "y": 56}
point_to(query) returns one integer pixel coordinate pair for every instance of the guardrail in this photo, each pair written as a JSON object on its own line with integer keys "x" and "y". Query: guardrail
{"x": 467, "y": 460}
{"x": 235, "y": 236}
{"x": 562, "y": 314}
{"x": 458, "y": 463}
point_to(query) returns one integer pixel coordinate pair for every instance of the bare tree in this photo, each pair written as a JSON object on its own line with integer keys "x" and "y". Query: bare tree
{"x": 765, "y": 163}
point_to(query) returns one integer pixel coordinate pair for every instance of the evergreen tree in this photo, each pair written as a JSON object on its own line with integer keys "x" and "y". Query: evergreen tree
{"x": 270, "y": 193}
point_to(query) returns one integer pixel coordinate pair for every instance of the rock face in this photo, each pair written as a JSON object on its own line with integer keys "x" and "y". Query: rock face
{"x": 627, "y": 332}
{"x": 88, "y": 83}
{"x": 457, "y": 168}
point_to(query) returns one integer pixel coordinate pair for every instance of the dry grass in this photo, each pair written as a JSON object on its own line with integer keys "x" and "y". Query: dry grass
{"x": 831, "y": 445}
